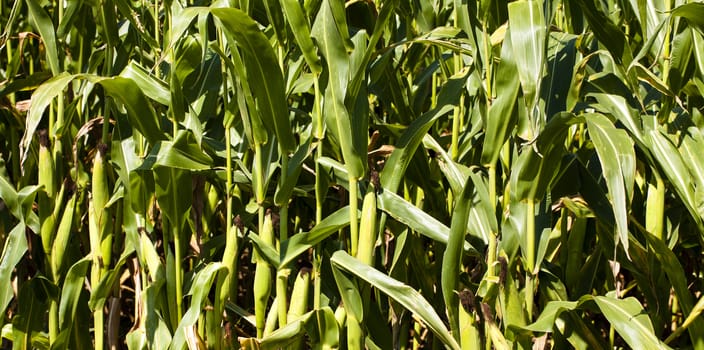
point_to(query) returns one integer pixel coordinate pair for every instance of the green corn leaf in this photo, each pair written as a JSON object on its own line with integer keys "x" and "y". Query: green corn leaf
{"x": 627, "y": 316}
{"x": 13, "y": 250}
{"x": 676, "y": 171}
{"x": 534, "y": 172}
{"x": 253, "y": 125}
{"x": 455, "y": 173}
{"x": 550, "y": 314}
{"x": 295, "y": 165}
{"x": 28, "y": 322}
{"x": 182, "y": 19}
{"x": 265, "y": 250}
{"x": 607, "y": 32}
{"x": 360, "y": 72}
{"x": 140, "y": 112}
{"x": 528, "y": 37}
{"x": 680, "y": 60}
{"x": 71, "y": 292}
{"x": 200, "y": 287}
{"x": 483, "y": 221}
{"x": 263, "y": 74}
{"x": 689, "y": 148}
{"x": 323, "y": 329}
{"x": 170, "y": 182}
{"x": 579, "y": 333}
{"x": 396, "y": 165}
{"x": 630, "y": 320}
{"x": 188, "y": 59}
{"x": 335, "y": 170}
{"x": 401, "y": 293}
{"x": 301, "y": 32}
{"x": 693, "y": 12}
{"x": 650, "y": 15}
{"x": 11, "y": 199}
{"x": 339, "y": 17}
{"x": 123, "y": 6}
{"x": 41, "y": 98}
{"x": 287, "y": 335}
{"x": 105, "y": 287}
{"x": 619, "y": 108}
{"x": 618, "y": 163}
{"x": 331, "y": 39}
{"x": 301, "y": 242}
{"x": 42, "y": 22}
{"x": 452, "y": 258}
{"x": 182, "y": 153}
{"x": 501, "y": 118}
{"x": 31, "y": 82}
{"x": 152, "y": 87}
{"x": 276, "y": 19}
{"x": 11, "y": 21}
{"x": 416, "y": 219}
{"x": 351, "y": 296}
{"x": 676, "y": 275}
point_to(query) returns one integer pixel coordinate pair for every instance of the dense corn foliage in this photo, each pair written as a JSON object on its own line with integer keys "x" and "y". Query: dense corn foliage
{"x": 361, "y": 174}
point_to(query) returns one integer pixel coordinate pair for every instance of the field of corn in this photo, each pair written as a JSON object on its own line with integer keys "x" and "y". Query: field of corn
{"x": 396, "y": 174}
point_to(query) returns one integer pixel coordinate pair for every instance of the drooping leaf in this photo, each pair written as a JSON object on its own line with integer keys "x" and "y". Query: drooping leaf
{"x": 12, "y": 252}
{"x": 676, "y": 171}
{"x": 407, "y": 145}
{"x": 401, "y": 293}
{"x": 300, "y": 242}
{"x": 618, "y": 162}
{"x": 627, "y": 316}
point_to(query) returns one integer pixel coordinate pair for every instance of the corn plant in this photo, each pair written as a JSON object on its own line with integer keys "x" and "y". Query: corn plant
{"x": 361, "y": 174}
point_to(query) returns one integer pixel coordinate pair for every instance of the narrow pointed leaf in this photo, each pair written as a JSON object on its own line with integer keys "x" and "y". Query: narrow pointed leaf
{"x": 618, "y": 163}
{"x": 527, "y": 29}
{"x": 401, "y": 293}
{"x": 263, "y": 72}
{"x": 301, "y": 32}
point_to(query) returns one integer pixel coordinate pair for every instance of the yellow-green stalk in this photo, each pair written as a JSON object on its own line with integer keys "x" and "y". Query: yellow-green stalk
{"x": 365, "y": 254}
{"x": 63, "y": 233}
{"x": 284, "y": 271}
{"x": 354, "y": 229}
{"x": 271, "y": 318}
{"x": 367, "y": 228}
{"x": 319, "y": 190}
{"x": 48, "y": 210}
{"x": 530, "y": 258}
{"x": 655, "y": 206}
{"x": 299, "y": 300}
{"x": 299, "y": 295}
{"x": 100, "y": 241}
{"x": 227, "y": 281}
{"x": 281, "y": 295}
{"x": 46, "y": 179}
{"x": 493, "y": 239}
{"x": 262, "y": 275}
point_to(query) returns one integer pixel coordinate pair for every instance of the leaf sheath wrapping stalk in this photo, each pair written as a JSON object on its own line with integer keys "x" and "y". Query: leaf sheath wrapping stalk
{"x": 453, "y": 255}
{"x": 262, "y": 278}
